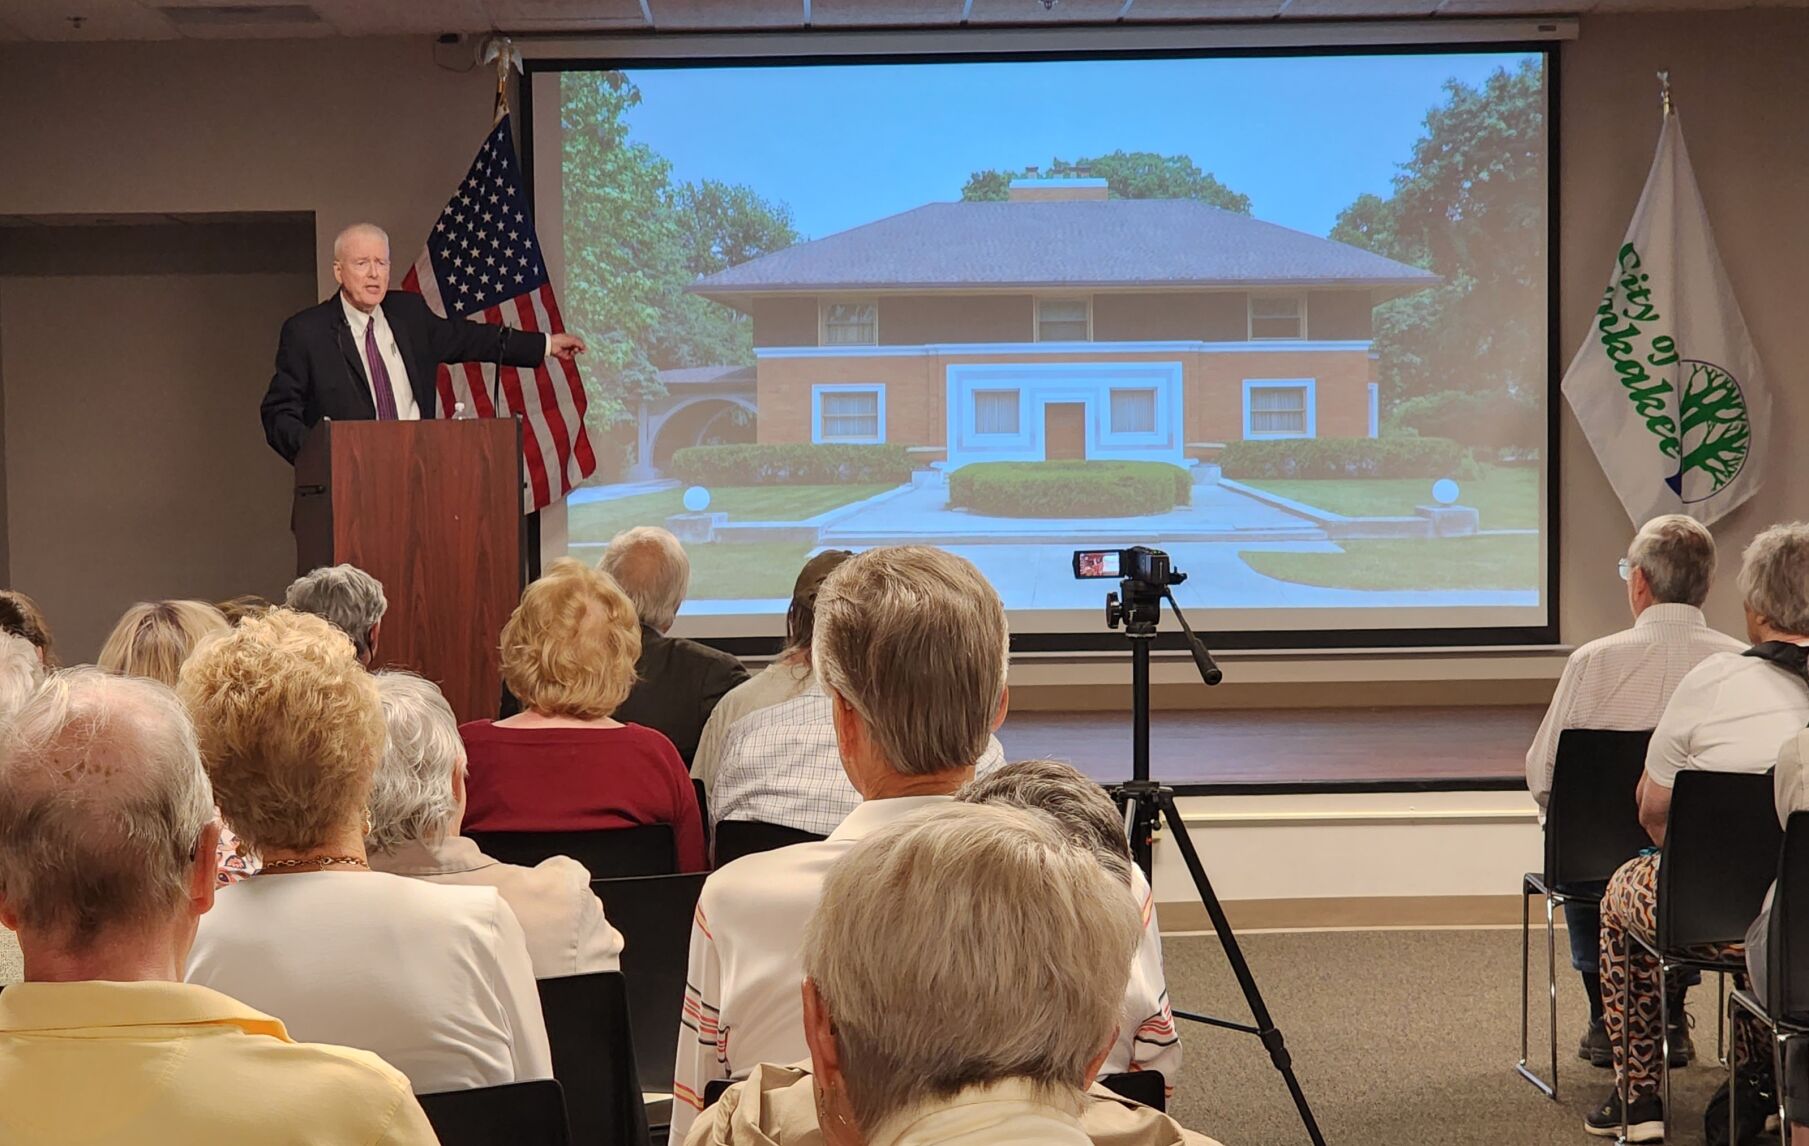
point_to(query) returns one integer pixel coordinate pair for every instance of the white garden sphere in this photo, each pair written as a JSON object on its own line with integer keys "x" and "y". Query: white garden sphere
{"x": 697, "y": 499}
{"x": 1444, "y": 491}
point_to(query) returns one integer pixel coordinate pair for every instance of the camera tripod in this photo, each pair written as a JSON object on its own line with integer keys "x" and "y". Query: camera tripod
{"x": 1146, "y": 803}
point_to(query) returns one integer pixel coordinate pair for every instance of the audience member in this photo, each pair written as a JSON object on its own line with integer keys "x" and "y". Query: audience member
{"x": 1080, "y": 807}
{"x": 21, "y": 671}
{"x": 788, "y": 675}
{"x": 417, "y": 804}
{"x": 103, "y": 1042}
{"x": 1623, "y": 681}
{"x": 21, "y": 617}
{"x": 989, "y": 1029}
{"x": 911, "y": 647}
{"x": 1729, "y": 714}
{"x": 563, "y": 764}
{"x": 435, "y": 979}
{"x": 677, "y": 682}
{"x": 236, "y": 609}
{"x": 347, "y": 597}
{"x": 152, "y": 640}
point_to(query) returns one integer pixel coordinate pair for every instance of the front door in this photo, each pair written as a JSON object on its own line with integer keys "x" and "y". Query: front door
{"x": 1065, "y": 431}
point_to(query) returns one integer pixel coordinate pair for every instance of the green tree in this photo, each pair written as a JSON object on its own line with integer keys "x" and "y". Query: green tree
{"x": 1128, "y": 175}
{"x": 725, "y": 224}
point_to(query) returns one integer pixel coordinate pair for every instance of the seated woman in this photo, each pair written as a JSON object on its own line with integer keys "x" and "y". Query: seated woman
{"x": 1728, "y": 714}
{"x": 436, "y": 980}
{"x": 1033, "y": 946}
{"x": 562, "y": 764}
{"x": 417, "y": 803}
{"x": 152, "y": 640}
{"x": 21, "y": 617}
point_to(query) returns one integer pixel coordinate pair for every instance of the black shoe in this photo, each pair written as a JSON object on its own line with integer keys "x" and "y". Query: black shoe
{"x": 1645, "y": 1119}
{"x": 1756, "y": 1113}
{"x": 1683, "y": 1048}
{"x": 1595, "y": 1049}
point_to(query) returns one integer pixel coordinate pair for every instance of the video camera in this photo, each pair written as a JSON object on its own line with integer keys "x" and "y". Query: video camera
{"x": 1139, "y": 563}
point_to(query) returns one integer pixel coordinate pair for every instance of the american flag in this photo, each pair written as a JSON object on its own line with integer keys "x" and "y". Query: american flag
{"x": 482, "y": 262}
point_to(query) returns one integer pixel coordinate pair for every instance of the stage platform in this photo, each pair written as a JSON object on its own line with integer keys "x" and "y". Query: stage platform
{"x": 1261, "y": 751}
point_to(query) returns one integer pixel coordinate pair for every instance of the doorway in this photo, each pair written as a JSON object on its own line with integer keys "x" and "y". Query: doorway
{"x": 1065, "y": 432}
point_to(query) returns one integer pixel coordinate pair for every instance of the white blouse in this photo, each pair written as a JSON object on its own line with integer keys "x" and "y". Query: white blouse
{"x": 434, "y": 979}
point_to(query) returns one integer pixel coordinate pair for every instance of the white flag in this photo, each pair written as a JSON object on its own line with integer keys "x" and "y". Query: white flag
{"x": 1667, "y": 386}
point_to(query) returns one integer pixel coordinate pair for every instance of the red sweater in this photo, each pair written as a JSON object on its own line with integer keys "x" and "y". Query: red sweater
{"x": 574, "y": 779}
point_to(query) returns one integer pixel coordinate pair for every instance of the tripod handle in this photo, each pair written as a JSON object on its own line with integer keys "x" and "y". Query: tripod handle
{"x": 1202, "y": 656}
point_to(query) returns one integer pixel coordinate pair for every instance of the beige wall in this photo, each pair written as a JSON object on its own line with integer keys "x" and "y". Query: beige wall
{"x": 373, "y": 129}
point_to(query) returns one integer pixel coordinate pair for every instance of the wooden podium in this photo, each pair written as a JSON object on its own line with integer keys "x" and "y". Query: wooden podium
{"x": 433, "y": 510}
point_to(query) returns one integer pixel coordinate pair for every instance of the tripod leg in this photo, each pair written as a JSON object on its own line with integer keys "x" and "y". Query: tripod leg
{"x": 1234, "y": 954}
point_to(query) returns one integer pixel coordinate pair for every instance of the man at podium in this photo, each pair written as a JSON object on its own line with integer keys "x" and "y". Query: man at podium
{"x": 370, "y": 352}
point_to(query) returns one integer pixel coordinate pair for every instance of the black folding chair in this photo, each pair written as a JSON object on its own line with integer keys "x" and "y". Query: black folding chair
{"x": 588, "y": 1026}
{"x": 737, "y": 838}
{"x": 1591, "y": 828}
{"x": 654, "y": 914}
{"x": 1786, "y": 962}
{"x": 607, "y": 853}
{"x": 518, "y": 1113}
{"x": 1148, "y": 1087}
{"x": 1720, "y": 854}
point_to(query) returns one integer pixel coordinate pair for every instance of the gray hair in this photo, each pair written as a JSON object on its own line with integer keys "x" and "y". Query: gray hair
{"x": 653, "y": 569}
{"x": 1032, "y": 946}
{"x": 21, "y": 671}
{"x": 411, "y": 795}
{"x": 1078, "y": 805}
{"x": 339, "y": 240}
{"x": 914, "y": 639}
{"x": 1677, "y": 554}
{"x": 347, "y": 597}
{"x": 1774, "y": 577}
{"x": 103, "y": 801}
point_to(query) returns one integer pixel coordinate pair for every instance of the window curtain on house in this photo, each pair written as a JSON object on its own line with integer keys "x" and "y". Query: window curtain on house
{"x": 1061, "y": 320}
{"x": 1133, "y": 411}
{"x": 851, "y": 414}
{"x": 851, "y": 324}
{"x": 1278, "y": 410}
{"x": 996, "y": 411}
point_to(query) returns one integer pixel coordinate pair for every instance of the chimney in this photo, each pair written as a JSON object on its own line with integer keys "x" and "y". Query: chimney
{"x": 1064, "y": 188}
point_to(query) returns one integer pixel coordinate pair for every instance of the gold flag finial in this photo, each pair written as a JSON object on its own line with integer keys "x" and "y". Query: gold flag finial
{"x": 1664, "y": 92}
{"x": 502, "y": 50}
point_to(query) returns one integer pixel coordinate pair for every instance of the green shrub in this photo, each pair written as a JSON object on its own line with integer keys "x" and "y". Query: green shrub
{"x": 1492, "y": 421}
{"x": 1069, "y": 489}
{"x": 1344, "y": 458}
{"x": 796, "y": 464}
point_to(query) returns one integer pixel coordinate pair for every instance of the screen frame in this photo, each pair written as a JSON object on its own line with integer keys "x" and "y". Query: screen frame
{"x": 669, "y": 51}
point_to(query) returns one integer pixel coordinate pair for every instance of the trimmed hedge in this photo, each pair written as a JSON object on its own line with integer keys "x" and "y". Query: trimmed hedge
{"x": 1493, "y": 420}
{"x": 1069, "y": 489}
{"x": 799, "y": 464}
{"x": 1344, "y": 458}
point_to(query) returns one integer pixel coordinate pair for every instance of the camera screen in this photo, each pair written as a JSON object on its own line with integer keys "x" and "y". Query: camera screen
{"x": 1096, "y": 563}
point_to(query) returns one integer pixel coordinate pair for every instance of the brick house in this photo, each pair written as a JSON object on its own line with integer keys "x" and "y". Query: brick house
{"x": 1063, "y": 324}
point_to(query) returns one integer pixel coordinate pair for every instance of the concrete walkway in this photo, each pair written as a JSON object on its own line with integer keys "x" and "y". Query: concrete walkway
{"x": 618, "y": 491}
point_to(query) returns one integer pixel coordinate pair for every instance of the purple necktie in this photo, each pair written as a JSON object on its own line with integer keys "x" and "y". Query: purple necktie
{"x": 386, "y": 398}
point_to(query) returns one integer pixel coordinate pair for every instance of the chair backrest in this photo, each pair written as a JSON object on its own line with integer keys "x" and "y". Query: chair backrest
{"x": 519, "y": 1113}
{"x": 1592, "y": 819}
{"x": 737, "y": 838}
{"x": 607, "y": 853}
{"x": 1145, "y": 1086}
{"x": 1720, "y": 854}
{"x": 587, "y": 1024}
{"x": 1787, "y": 944}
{"x": 654, "y": 914}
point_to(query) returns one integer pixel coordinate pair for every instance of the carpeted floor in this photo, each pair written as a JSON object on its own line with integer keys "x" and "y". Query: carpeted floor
{"x": 1398, "y": 1037}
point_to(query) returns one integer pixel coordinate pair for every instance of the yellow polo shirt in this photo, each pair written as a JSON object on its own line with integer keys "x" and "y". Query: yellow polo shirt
{"x": 157, "y": 1063}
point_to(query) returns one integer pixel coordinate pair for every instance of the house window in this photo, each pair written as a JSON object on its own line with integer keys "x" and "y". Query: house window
{"x": 1064, "y": 320}
{"x": 996, "y": 411}
{"x": 851, "y": 324}
{"x": 1133, "y": 411}
{"x": 848, "y": 413}
{"x": 1278, "y": 316}
{"x": 1279, "y": 408}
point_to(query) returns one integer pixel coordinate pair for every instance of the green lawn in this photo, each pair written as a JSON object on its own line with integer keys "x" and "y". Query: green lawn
{"x": 602, "y": 520}
{"x": 1510, "y": 562}
{"x": 742, "y": 571}
{"x": 1505, "y": 497}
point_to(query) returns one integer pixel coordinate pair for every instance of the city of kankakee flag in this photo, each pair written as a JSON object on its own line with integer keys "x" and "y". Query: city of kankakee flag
{"x": 482, "y": 261}
{"x": 1668, "y": 387}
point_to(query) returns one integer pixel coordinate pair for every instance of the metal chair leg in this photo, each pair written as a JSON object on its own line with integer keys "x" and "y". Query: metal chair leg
{"x": 1723, "y": 1046}
{"x": 1664, "y": 1046}
{"x": 1551, "y": 986}
{"x": 1622, "y": 1083}
{"x": 1733, "y": 1080}
{"x": 1549, "y": 1089}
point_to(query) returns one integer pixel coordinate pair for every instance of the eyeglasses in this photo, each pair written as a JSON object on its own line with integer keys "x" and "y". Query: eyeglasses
{"x": 1625, "y": 567}
{"x": 362, "y": 265}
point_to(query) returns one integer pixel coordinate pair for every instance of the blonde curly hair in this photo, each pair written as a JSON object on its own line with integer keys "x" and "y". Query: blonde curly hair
{"x": 290, "y": 728}
{"x": 570, "y": 647}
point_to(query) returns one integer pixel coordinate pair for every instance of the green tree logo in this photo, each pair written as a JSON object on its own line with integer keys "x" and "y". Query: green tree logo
{"x": 1714, "y": 432}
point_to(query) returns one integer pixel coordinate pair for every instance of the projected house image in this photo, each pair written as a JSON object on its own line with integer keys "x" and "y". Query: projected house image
{"x": 1058, "y": 324}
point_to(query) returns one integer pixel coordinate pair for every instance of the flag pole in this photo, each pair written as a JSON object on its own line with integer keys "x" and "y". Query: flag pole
{"x": 502, "y": 50}
{"x": 1664, "y": 92}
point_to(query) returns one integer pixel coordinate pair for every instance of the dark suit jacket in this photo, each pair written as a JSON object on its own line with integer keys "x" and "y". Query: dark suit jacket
{"x": 320, "y": 372}
{"x": 677, "y": 684}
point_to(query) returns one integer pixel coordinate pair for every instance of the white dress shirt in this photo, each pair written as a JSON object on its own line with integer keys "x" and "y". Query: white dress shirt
{"x": 780, "y": 765}
{"x": 743, "y": 1004}
{"x": 406, "y": 408}
{"x": 777, "y": 682}
{"x": 1622, "y": 682}
{"x": 559, "y": 914}
{"x": 435, "y": 980}
{"x": 1730, "y": 714}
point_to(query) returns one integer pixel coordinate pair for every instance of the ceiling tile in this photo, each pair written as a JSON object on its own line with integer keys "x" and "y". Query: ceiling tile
{"x": 396, "y": 18}
{"x": 1355, "y": 9}
{"x": 566, "y": 15}
{"x": 1150, "y": 10}
{"x": 101, "y": 20}
{"x": 1514, "y": 7}
{"x": 885, "y": 13}
{"x": 1043, "y": 12}
{"x": 726, "y": 15}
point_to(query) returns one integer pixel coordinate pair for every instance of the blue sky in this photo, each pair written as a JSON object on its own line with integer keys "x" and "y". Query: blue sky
{"x": 844, "y": 145}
